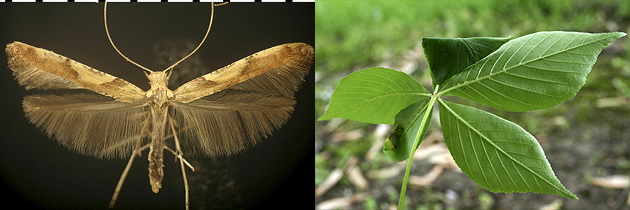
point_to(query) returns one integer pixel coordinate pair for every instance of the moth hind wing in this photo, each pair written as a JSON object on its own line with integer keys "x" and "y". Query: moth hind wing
{"x": 88, "y": 123}
{"x": 228, "y": 122}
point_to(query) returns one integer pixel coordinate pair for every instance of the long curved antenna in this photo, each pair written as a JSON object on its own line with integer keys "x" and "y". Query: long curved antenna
{"x": 198, "y": 46}
{"x": 170, "y": 67}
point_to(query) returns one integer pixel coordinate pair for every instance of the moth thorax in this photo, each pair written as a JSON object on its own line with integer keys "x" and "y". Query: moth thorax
{"x": 159, "y": 90}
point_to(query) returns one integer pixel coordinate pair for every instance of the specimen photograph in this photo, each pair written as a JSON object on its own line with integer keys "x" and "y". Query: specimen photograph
{"x": 157, "y": 106}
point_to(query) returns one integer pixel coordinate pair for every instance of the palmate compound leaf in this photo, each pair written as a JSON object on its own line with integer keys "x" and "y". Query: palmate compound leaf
{"x": 374, "y": 95}
{"x": 449, "y": 56}
{"x": 495, "y": 153}
{"x": 536, "y": 71}
{"x": 400, "y": 141}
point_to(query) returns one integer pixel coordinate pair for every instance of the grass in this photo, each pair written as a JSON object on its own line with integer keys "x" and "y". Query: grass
{"x": 351, "y": 33}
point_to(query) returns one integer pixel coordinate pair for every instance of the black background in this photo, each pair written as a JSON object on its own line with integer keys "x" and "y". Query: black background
{"x": 37, "y": 172}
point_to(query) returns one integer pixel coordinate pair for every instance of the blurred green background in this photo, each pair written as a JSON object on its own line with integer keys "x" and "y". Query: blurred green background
{"x": 583, "y": 138}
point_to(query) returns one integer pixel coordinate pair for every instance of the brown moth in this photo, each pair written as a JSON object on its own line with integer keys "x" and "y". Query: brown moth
{"x": 217, "y": 114}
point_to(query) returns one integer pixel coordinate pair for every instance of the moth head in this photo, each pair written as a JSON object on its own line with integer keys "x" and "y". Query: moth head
{"x": 158, "y": 78}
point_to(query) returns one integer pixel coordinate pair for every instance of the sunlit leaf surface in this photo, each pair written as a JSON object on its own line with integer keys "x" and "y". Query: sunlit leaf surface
{"x": 495, "y": 153}
{"x": 535, "y": 71}
{"x": 374, "y": 95}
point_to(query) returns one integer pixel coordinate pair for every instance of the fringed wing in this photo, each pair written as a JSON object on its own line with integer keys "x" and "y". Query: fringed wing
{"x": 88, "y": 123}
{"x": 277, "y": 70}
{"x": 228, "y": 122}
{"x": 233, "y": 108}
{"x": 42, "y": 69}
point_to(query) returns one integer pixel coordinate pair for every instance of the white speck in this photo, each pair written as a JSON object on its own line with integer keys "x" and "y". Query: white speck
{"x": 347, "y": 192}
{"x": 450, "y": 195}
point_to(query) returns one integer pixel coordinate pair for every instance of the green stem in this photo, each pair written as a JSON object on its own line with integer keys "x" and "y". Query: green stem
{"x": 415, "y": 146}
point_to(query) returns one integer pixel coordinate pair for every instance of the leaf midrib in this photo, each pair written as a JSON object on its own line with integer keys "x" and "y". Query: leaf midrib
{"x": 504, "y": 70}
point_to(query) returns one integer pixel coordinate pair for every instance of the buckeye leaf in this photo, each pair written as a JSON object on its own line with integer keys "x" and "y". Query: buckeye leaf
{"x": 409, "y": 121}
{"x": 536, "y": 71}
{"x": 449, "y": 56}
{"x": 497, "y": 154}
{"x": 374, "y": 95}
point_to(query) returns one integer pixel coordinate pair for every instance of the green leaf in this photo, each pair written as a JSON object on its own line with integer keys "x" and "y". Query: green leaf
{"x": 374, "y": 95}
{"x": 536, "y": 71}
{"x": 449, "y": 56}
{"x": 497, "y": 154}
{"x": 403, "y": 136}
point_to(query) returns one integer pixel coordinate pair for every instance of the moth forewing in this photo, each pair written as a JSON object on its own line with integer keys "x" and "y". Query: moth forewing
{"x": 43, "y": 69}
{"x": 281, "y": 68}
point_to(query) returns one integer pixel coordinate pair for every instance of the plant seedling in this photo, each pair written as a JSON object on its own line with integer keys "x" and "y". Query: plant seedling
{"x": 532, "y": 72}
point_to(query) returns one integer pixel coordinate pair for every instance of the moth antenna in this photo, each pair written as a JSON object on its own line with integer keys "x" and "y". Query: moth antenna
{"x": 168, "y": 72}
{"x": 170, "y": 67}
{"x": 113, "y": 45}
{"x": 202, "y": 41}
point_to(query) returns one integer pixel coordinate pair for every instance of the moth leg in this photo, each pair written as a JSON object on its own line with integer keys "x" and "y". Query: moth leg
{"x": 181, "y": 161}
{"x": 145, "y": 128}
{"x": 124, "y": 174}
{"x": 177, "y": 157}
{"x": 172, "y": 123}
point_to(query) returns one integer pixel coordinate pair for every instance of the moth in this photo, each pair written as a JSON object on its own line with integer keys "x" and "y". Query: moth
{"x": 217, "y": 114}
